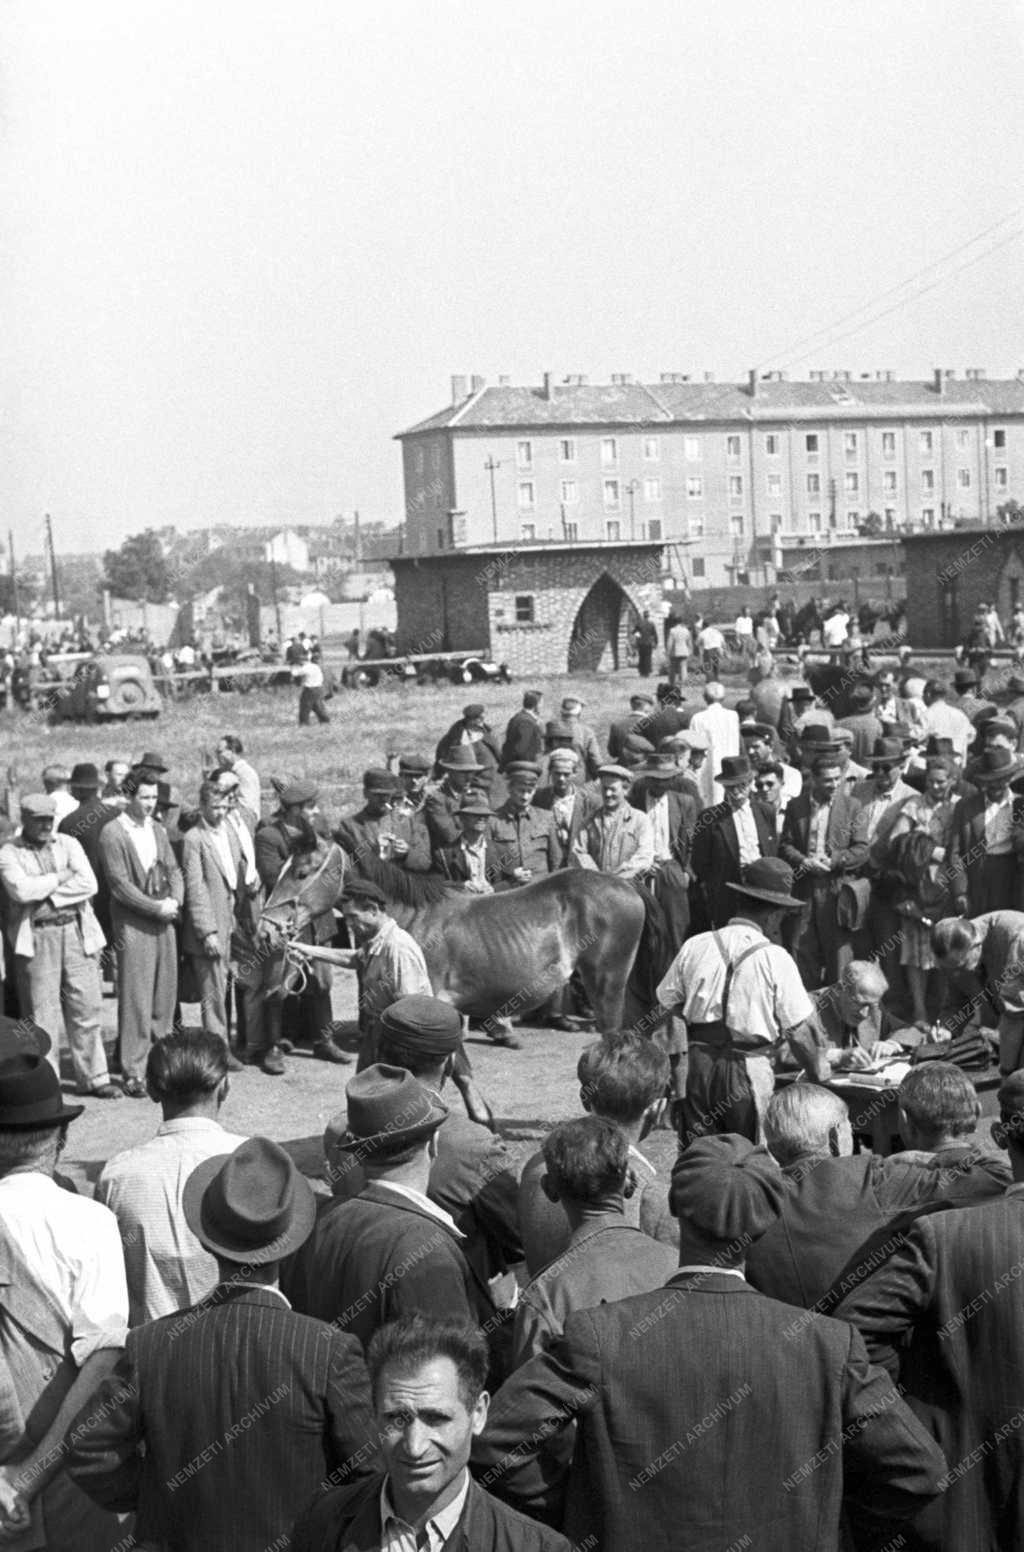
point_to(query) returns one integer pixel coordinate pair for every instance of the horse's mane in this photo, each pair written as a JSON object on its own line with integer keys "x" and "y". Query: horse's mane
{"x": 401, "y": 887}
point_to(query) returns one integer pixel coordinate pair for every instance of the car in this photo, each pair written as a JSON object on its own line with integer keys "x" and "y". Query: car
{"x": 108, "y": 686}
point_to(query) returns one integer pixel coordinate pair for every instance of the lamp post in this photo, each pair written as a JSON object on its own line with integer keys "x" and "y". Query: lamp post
{"x": 631, "y": 490}
{"x": 492, "y": 464}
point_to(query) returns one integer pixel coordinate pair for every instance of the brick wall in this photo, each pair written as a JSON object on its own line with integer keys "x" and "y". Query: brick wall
{"x": 949, "y": 574}
{"x": 441, "y": 604}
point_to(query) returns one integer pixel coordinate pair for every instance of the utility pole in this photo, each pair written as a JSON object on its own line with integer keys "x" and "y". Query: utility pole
{"x": 277, "y": 606}
{"x": 492, "y": 464}
{"x": 14, "y": 582}
{"x": 53, "y": 568}
{"x": 631, "y": 490}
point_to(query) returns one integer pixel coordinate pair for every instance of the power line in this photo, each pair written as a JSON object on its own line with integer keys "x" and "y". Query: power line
{"x": 882, "y": 296}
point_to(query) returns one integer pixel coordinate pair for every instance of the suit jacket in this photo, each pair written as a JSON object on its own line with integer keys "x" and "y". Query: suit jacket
{"x": 967, "y": 851}
{"x": 866, "y": 728}
{"x": 359, "y": 836}
{"x": 450, "y": 862}
{"x": 485, "y": 748}
{"x": 845, "y": 837}
{"x": 347, "y": 1519}
{"x": 946, "y": 1313}
{"x": 209, "y": 892}
{"x": 126, "y": 877}
{"x": 220, "y": 1422}
{"x": 683, "y": 810}
{"x": 84, "y": 826}
{"x": 527, "y": 841}
{"x": 524, "y": 738}
{"x": 715, "y": 858}
{"x": 674, "y": 1392}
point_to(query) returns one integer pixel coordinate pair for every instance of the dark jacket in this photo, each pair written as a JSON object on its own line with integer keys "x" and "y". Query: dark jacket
{"x": 845, "y": 838}
{"x": 84, "y": 826}
{"x": 968, "y": 854}
{"x": 524, "y": 840}
{"x": 347, "y": 1519}
{"x": 485, "y": 748}
{"x": 585, "y": 807}
{"x": 707, "y": 1416}
{"x": 450, "y": 862}
{"x": 715, "y": 858}
{"x": 545, "y": 1228}
{"x": 682, "y": 814}
{"x": 220, "y": 1423}
{"x": 524, "y": 738}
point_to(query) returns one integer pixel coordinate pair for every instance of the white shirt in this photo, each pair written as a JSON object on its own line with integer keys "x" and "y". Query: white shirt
{"x": 476, "y": 860}
{"x": 142, "y": 835}
{"x": 222, "y": 847}
{"x": 64, "y": 804}
{"x": 167, "y": 1268}
{"x": 249, "y": 792}
{"x": 398, "y": 1536}
{"x": 744, "y": 625}
{"x": 721, "y": 728}
{"x": 70, "y": 1247}
{"x": 947, "y": 721}
{"x": 310, "y": 675}
{"x": 833, "y": 631}
{"x": 680, "y": 642}
{"x": 657, "y": 813}
{"x": 999, "y": 825}
{"x": 711, "y": 639}
{"x": 746, "y": 834}
{"x": 767, "y": 996}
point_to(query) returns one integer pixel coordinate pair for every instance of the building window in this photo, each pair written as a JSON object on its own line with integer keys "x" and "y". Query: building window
{"x": 1001, "y": 477}
{"x": 691, "y": 447}
{"x": 420, "y": 460}
{"x": 733, "y": 448}
{"x": 814, "y": 484}
{"x": 609, "y": 451}
{"x": 811, "y": 444}
{"x": 611, "y": 493}
{"x": 524, "y": 455}
{"x": 963, "y": 479}
{"x": 570, "y": 493}
{"x": 735, "y": 487}
{"x": 652, "y": 449}
{"x": 928, "y": 516}
{"x": 567, "y": 450}
{"x": 963, "y": 437}
{"x": 851, "y": 484}
{"x": 775, "y": 484}
{"x": 851, "y": 445}
{"x": 652, "y": 490}
{"x": 524, "y": 609}
{"x": 772, "y": 444}
{"x": 888, "y": 444}
{"x": 889, "y": 481}
{"x": 695, "y": 487}
{"x": 435, "y": 458}
{"x": 890, "y": 517}
{"x": 852, "y": 518}
{"x": 571, "y": 532}
{"x": 698, "y": 566}
{"x": 613, "y": 529}
{"x": 926, "y": 440}
{"x": 527, "y": 532}
{"x": 736, "y": 525}
{"x": 927, "y": 479}
{"x": 814, "y": 522}
{"x": 999, "y": 437}
{"x": 695, "y": 527}
{"x": 527, "y": 494}
{"x": 775, "y": 522}
{"x": 654, "y": 528}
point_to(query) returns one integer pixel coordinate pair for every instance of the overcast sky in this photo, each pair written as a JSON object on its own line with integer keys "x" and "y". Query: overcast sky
{"x": 246, "y": 243}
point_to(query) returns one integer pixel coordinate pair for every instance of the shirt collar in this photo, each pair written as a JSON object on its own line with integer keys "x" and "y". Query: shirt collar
{"x": 709, "y": 1271}
{"x": 380, "y": 938}
{"x": 439, "y": 1526}
{"x": 188, "y": 1124}
{"x": 423, "y": 1203}
{"x": 132, "y": 823}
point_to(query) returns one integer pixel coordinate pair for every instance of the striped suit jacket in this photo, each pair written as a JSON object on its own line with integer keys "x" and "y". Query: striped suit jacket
{"x": 221, "y": 1422}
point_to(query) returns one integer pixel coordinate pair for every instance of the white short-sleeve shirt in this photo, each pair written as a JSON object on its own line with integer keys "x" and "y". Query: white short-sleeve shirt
{"x": 767, "y": 997}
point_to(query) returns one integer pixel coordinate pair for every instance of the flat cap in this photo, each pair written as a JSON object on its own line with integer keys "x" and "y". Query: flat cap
{"x": 299, "y": 792}
{"x": 414, "y": 764}
{"x": 423, "y": 1026}
{"x": 563, "y": 759}
{"x": 757, "y": 730}
{"x": 523, "y": 768}
{"x": 38, "y": 805}
{"x": 379, "y": 780}
{"x": 474, "y": 709}
{"x": 726, "y": 1188}
{"x": 362, "y": 891}
{"x": 619, "y": 771}
{"x": 476, "y": 802}
{"x": 571, "y": 703}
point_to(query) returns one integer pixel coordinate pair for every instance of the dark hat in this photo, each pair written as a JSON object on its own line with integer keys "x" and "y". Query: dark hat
{"x": 296, "y": 792}
{"x": 150, "y": 761}
{"x": 1016, "y": 684}
{"x": 998, "y": 724}
{"x": 38, "y": 805}
{"x": 361, "y": 890}
{"x": 379, "y": 781}
{"x": 388, "y": 1110}
{"x": 166, "y": 797}
{"x": 937, "y": 745}
{"x": 736, "y": 769}
{"x": 641, "y": 698}
{"x": 252, "y": 1206}
{"x": 461, "y": 758}
{"x": 21, "y": 1037}
{"x": 660, "y": 767}
{"x": 30, "y": 1096}
{"x": 414, "y": 764}
{"x": 726, "y": 1189}
{"x": 476, "y": 803}
{"x": 801, "y": 692}
{"x": 523, "y": 768}
{"x": 771, "y": 879}
{"x": 558, "y": 730}
{"x": 817, "y": 736}
{"x": 757, "y": 730}
{"x": 861, "y": 694}
{"x": 424, "y": 1026}
{"x": 934, "y": 687}
{"x": 86, "y": 776}
{"x": 994, "y": 765}
{"x": 965, "y": 679}
{"x": 887, "y": 751}
{"x": 473, "y": 710}
{"x": 611, "y": 769}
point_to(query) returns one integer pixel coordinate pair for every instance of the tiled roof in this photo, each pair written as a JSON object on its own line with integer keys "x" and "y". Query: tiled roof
{"x": 636, "y": 404}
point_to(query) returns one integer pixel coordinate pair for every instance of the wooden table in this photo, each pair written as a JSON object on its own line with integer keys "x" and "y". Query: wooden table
{"x": 874, "y": 1112}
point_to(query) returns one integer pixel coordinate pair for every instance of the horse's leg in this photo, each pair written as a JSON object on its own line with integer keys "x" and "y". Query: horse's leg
{"x": 477, "y": 1107}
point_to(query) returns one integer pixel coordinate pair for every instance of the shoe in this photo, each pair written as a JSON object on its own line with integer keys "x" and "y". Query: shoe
{"x": 506, "y": 1037}
{"x": 134, "y": 1088}
{"x": 272, "y": 1062}
{"x": 234, "y": 1065}
{"x": 287, "y": 1046}
{"x": 327, "y": 1051}
{"x": 105, "y": 1091}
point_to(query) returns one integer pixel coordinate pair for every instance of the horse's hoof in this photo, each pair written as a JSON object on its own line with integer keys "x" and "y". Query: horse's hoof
{"x": 507, "y": 1038}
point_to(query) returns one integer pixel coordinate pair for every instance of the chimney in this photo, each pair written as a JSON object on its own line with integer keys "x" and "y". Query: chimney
{"x": 709, "y": 377}
{"x": 478, "y": 383}
{"x": 503, "y": 382}
{"x": 458, "y": 389}
{"x": 752, "y": 380}
{"x": 816, "y": 375}
{"x": 675, "y": 377}
{"x": 621, "y": 379}
{"x": 549, "y": 385}
{"x": 975, "y": 374}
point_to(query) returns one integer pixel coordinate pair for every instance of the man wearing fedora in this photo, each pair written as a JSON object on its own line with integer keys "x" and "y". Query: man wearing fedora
{"x": 470, "y": 731}
{"x": 653, "y": 1422}
{"x": 672, "y": 816}
{"x": 428, "y": 1379}
{"x": 987, "y": 842}
{"x": 862, "y": 721}
{"x": 728, "y": 837}
{"x": 84, "y": 824}
{"x": 824, "y": 841}
{"x": 63, "y": 1313}
{"x": 56, "y": 940}
{"x": 390, "y": 1250}
{"x": 472, "y": 861}
{"x": 740, "y": 996}
{"x": 220, "y": 1422}
{"x": 461, "y": 771}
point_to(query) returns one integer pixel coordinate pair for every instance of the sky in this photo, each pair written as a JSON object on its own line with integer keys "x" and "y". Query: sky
{"x": 245, "y": 244}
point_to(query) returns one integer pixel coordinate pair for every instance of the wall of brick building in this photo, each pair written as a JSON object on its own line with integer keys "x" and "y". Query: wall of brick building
{"x": 441, "y": 604}
{"x": 949, "y": 574}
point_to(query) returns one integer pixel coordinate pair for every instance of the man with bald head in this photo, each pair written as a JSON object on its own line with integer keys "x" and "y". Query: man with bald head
{"x": 721, "y": 728}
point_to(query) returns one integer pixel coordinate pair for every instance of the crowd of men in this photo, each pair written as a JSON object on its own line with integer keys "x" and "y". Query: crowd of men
{"x": 785, "y": 1344}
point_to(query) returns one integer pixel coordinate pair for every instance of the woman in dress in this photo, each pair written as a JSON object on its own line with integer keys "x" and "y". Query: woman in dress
{"x": 917, "y": 849}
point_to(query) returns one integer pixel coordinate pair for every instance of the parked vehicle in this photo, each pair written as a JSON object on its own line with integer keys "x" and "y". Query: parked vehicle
{"x": 106, "y": 687}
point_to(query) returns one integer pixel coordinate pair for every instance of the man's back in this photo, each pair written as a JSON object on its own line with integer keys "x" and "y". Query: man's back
{"x": 706, "y": 1414}
{"x": 545, "y": 1228}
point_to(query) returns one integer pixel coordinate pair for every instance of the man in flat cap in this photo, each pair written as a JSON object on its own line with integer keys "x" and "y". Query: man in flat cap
{"x": 523, "y": 837}
{"x": 56, "y": 940}
{"x": 569, "y": 802}
{"x": 373, "y": 832}
{"x": 652, "y": 1422}
{"x": 407, "y": 816}
{"x": 221, "y": 1421}
{"x": 583, "y": 737}
{"x": 618, "y": 839}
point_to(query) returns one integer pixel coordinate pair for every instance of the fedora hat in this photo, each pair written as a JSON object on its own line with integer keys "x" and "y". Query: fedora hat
{"x": 30, "y": 1097}
{"x": 771, "y": 879}
{"x": 994, "y": 765}
{"x": 757, "y": 730}
{"x": 379, "y": 780}
{"x": 660, "y": 766}
{"x": 150, "y": 761}
{"x": 461, "y": 758}
{"x": 736, "y": 770}
{"x": 887, "y": 751}
{"x": 476, "y": 803}
{"x": 861, "y": 694}
{"x": 801, "y": 692}
{"x": 252, "y": 1205}
{"x": 965, "y": 679}
{"x": 388, "y": 1110}
{"x": 86, "y": 777}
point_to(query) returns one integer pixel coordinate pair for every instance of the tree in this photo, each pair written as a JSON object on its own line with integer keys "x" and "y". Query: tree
{"x": 872, "y": 527}
{"x": 138, "y": 569}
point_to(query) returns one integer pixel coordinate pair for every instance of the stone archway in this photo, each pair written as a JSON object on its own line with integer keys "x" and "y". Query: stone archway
{"x": 600, "y": 631}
